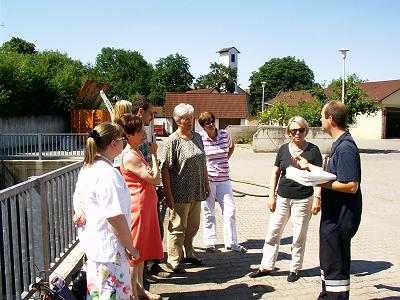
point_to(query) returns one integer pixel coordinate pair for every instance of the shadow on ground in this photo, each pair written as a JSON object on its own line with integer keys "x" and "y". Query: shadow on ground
{"x": 358, "y": 268}
{"x": 236, "y": 291}
{"x": 365, "y": 267}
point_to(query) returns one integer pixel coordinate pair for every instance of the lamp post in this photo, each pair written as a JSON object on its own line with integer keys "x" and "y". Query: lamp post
{"x": 344, "y": 52}
{"x": 262, "y": 102}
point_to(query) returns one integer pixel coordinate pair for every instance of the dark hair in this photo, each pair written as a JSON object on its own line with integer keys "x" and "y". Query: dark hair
{"x": 339, "y": 113}
{"x": 206, "y": 116}
{"x": 140, "y": 102}
{"x": 130, "y": 123}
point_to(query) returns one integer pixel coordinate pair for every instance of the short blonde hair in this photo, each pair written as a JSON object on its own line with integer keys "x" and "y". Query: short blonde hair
{"x": 299, "y": 120}
{"x": 182, "y": 109}
{"x": 122, "y": 107}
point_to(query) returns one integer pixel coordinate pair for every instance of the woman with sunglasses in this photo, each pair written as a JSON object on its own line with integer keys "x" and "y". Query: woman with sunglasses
{"x": 141, "y": 179}
{"x": 289, "y": 199}
{"x": 218, "y": 147}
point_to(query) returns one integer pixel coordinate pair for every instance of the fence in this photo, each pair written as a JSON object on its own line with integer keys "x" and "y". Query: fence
{"x": 42, "y": 145}
{"x": 38, "y": 232}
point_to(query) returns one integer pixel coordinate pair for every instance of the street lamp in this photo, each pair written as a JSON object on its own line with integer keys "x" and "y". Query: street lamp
{"x": 262, "y": 102}
{"x": 344, "y": 52}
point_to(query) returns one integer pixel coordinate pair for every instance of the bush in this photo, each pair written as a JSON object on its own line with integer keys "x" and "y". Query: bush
{"x": 280, "y": 113}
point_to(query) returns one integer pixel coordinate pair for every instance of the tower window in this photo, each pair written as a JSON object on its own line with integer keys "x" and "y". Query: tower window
{"x": 233, "y": 58}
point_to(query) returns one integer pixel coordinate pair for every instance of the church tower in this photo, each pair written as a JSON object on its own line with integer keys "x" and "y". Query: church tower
{"x": 229, "y": 58}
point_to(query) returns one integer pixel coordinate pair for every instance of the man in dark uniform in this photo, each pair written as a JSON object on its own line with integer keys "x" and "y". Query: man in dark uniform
{"x": 341, "y": 204}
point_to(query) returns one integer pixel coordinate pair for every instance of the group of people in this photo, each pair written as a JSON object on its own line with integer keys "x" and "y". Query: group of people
{"x": 340, "y": 202}
{"x": 117, "y": 208}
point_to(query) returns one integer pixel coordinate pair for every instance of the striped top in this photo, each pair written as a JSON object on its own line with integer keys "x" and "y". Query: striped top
{"x": 217, "y": 155}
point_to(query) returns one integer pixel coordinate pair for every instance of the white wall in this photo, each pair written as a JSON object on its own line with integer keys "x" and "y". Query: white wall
{"x": 225, "y": 58}
{"x": 367, "y": 127}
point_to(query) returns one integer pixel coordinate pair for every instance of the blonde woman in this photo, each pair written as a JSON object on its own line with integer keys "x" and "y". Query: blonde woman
{"x": 121, "y": 107}
{"x": 289, "y": 199}
{"x": 101, "y": 192}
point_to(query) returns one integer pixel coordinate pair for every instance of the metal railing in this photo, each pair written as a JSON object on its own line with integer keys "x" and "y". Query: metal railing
{"x": 42, "y": 145}
{"x": 37, "y": 229}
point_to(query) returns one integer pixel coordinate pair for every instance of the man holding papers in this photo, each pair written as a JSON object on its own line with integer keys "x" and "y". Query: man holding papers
{"x": 341, "y": 203}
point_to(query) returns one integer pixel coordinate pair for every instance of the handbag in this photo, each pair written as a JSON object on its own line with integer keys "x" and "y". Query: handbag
{"x": 79, "y": 285}
{"x": 60, "y": 290}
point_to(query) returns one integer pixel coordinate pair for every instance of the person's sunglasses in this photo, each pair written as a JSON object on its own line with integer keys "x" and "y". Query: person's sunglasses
{"x": 209, "y": 122}
{"x": 299, "y": 130}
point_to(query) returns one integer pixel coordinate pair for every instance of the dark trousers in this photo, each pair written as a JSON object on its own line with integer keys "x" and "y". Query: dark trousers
{"x": 335, "y": 257}
{"x": 162, "y": 210}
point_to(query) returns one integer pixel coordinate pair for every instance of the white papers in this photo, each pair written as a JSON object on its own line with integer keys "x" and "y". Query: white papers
{"x": 308, "y": 178}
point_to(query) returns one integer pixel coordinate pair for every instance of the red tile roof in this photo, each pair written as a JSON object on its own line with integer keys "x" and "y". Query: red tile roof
{"x": 203, "y": 91}
{"x": 292, "y": 97}
{"x": 379, "y": 90}
{"x": 222, "y": 105}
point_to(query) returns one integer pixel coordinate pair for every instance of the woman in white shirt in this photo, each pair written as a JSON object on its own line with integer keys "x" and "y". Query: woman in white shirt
{"x": 101, "y": 192}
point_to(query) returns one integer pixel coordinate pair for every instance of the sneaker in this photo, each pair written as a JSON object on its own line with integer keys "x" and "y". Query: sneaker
{"x": 237, "y": 248}
{"x": 292, "y": 277}
{"x": 156, "y": 270}
{"x": 149, "y": 279}
{"x": 259, "y": 273}
{"x": 210, "y": 249}
{"x": 176, "y": 269}
{"x": 192, "y": 260}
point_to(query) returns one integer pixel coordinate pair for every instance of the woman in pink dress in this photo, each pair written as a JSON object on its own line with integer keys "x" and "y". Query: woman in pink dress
{"x": 141, "y": 179}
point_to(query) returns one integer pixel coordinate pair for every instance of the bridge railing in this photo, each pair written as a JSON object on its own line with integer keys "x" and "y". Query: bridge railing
{"x": 42, "y": 145}
{"x": 37, "y": 229}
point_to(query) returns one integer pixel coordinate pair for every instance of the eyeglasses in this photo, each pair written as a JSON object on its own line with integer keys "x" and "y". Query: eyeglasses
{"x": 299, "y": 130}
{"x": 209, "y": 122}
{"x": 120, "y": 139}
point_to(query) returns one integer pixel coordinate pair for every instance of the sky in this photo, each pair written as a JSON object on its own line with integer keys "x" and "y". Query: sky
{"x": 312, "y": 31}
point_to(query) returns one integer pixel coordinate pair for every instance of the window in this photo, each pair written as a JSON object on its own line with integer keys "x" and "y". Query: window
{"x": 233, "y": 58}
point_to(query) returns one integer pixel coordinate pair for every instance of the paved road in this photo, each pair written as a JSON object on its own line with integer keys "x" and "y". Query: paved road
{"x": 375, "y": 249}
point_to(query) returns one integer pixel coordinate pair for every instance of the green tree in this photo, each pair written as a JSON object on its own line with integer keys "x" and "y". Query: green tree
{"x": 19, "y": 45}
{"x": 286, "y": 74}
{"x": 127, "y": 71}
{"x": 171, "y": 74}
{"x": 45, "y": 83}
{"x": 221, "y": 77}
{"x": 278, "y": 114}
{"x": 355, "y": 98}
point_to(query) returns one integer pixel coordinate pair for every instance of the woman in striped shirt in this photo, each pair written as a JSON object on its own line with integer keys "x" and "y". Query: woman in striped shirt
{"x": 218, "y": 147}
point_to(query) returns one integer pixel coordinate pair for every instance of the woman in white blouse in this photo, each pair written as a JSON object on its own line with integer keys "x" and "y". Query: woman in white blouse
{"x": 101, "y": 192}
